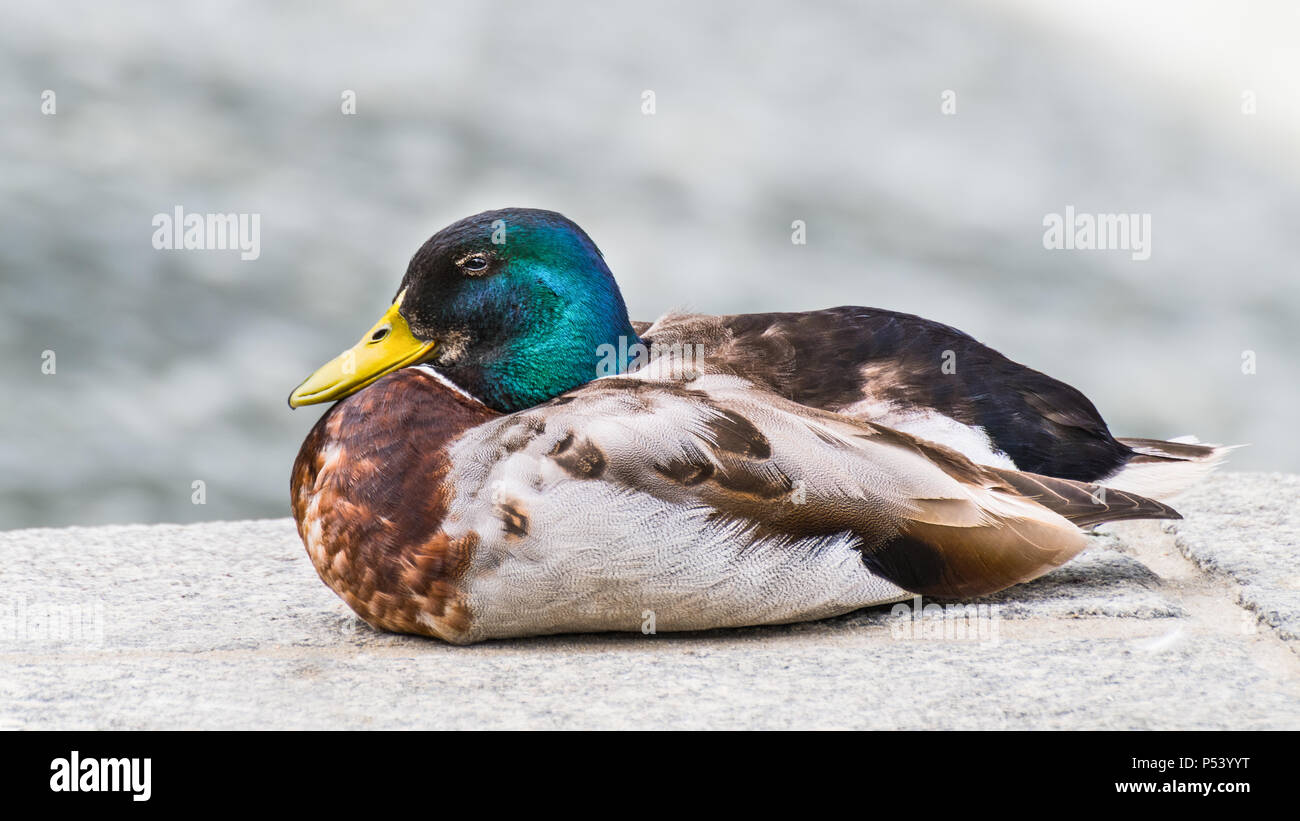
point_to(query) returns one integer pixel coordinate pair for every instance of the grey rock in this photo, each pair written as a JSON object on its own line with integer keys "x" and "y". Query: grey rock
{"x": 1246, "y": 526}
{"x": 225, "y": 625}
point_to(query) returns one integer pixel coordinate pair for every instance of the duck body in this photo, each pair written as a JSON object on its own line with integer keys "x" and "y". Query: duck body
{"x": 635, "y": 500}
{"x": 485, "y": 476}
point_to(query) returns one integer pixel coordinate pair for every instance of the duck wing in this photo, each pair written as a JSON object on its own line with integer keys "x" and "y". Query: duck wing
{"x": 767, "y": 470}
{"x": 914, "y": 374}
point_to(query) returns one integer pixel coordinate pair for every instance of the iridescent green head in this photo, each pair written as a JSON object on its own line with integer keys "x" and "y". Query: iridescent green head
{"x": 512, "y": 305}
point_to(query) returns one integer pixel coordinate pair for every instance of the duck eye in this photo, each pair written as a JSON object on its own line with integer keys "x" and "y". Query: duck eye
{"x": 478, "y": 262}
{"x": 379, "y": 334}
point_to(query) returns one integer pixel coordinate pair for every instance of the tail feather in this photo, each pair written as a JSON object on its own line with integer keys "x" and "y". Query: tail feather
{"x": 1163, "y": 469}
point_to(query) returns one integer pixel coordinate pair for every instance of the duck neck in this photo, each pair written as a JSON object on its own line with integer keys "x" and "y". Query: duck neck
{"x": 564, "y": 344}
{"x": 527, "y": 372}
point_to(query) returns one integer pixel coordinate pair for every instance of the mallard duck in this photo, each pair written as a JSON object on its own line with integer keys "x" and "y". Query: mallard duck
{"x": 485, "y": 485}
{"x": 643, "y": 499}
{"x": 517, "y": 306}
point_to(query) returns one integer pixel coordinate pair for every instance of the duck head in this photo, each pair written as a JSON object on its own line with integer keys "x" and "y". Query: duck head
{"x": 511, "y": 305}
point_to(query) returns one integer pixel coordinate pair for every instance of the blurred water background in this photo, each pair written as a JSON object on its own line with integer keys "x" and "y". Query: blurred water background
{"x": 174, "y": 366}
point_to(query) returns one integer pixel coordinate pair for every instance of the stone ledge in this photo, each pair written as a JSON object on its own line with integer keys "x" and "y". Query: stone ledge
{"x": 224, "y": 625}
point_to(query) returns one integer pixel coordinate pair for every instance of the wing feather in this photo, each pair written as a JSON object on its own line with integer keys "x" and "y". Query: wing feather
{"x": 923, "y": 516}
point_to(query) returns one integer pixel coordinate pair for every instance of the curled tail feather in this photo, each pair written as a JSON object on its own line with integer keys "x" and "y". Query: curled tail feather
{"x": 1163, "y": 469}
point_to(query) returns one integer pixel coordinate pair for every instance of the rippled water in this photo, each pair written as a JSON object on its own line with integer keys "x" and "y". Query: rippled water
{"x": 174, "y": 366}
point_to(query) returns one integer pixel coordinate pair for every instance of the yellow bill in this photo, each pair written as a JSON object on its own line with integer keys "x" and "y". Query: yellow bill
{"x": 387, "y": 346}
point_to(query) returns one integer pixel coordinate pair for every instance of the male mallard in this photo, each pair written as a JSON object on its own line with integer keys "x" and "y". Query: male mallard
{"x": 729, "y": 494}
{"x": 517, "y": 306}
